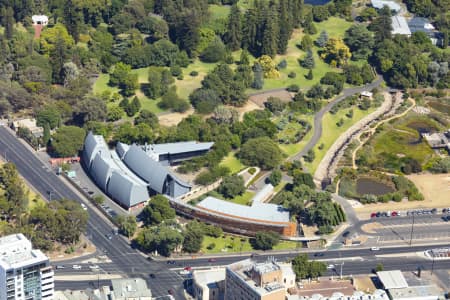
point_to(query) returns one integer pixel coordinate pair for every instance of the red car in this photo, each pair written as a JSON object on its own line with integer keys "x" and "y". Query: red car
{"x": 394, "y": 214}
{"x": 188, "y": 268}
{"x": 373, "y": 215}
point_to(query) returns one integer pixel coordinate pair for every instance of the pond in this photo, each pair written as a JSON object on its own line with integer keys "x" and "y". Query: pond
{"x": 317, "y": 2}
{"x": 372, "y": 186}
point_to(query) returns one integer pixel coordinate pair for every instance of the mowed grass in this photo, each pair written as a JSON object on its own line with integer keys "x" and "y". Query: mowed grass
{"x": 232, "y": 162}
{"x": 235, "y": 244}
{"x": 330, "y": 132}
{"x": 101, "y": 85}
{"x": 243, "y": 199}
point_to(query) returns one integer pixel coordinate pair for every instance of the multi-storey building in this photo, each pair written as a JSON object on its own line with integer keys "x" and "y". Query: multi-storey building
{"x": 25, "y": 273}
{"x": 249, "y": 280}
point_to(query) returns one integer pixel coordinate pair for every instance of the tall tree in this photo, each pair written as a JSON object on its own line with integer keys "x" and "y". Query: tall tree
{"x": 360, "y": 41}
{"x": 285, "y": 27}
{"x": 270, "y": 33}
{"x": 233, "y": 36}
{"x": 72, "y": 19}
{"x": 382, "y": 26}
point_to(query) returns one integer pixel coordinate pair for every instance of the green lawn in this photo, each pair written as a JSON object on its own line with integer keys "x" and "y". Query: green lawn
{"x": 243, "y": 199}
{"x": 231, "y": 244}
{"x": 101, "y": 85}
{"x": 330, "y": 132}
{"x": 232, "y": 163}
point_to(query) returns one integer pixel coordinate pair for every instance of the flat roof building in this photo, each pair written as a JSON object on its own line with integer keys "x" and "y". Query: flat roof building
{"x": 400, "y": 26}
{"x": 209, "y": 284}
{"x": 393, "y": 6}
{"x": 249, "y": 280}
{"x": 25, "y": 273}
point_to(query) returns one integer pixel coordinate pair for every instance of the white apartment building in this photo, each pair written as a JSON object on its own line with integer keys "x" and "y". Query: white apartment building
{"x": 25, "y": 273}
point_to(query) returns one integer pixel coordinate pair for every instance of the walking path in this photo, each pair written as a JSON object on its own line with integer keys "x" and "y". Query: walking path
{"x": 329, "y": 161}
{"x": 371, "y": 131}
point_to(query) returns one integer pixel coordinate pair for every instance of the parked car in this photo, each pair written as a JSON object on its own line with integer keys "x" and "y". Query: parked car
{"x": 94, "y": 267}
{"x": 152, "y": 275}
{"x": 83, "y": 206}
{"x": 330, "y": 267}
{"x": 373, "y": 215}
{"x": 374, "y": 248}
{"x": 59, "y": 267}
{"x": 170, "y": 262}
{"x": 185, "y": 272}
{"x": 76, "y": 267}
{"x": 394, "y": 214}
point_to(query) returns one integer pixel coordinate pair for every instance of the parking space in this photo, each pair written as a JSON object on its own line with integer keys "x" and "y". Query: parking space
{"x": 424, "y": 232}
{"x": 425, "y": 220}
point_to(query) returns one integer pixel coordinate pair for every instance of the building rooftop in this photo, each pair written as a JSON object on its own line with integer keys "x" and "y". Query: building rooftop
{"x": 378, "y": 4}
{"x": 243, "y": 268}
{"x": 400, "y": 26}
{"x": 416, "y": 292}
{"x": 208, "y": 277}
{"x": 263, "y": 194}
{"x": 16, "y": 251}
{"x": 392, "y": 279}
{"x": 130, "y": 288}
{"x": 258, "y": 211}
{"x": 175, "y": 148}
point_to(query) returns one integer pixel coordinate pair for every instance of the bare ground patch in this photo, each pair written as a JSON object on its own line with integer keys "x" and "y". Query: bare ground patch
{"x": 434, "y": 187}
{"x": 369, "y": 227}
{"x": 261, "y": 98}
{"x": 172, "y": 119}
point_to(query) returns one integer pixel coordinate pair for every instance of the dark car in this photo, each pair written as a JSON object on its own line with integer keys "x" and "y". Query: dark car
{"x": 212, "y": 260}
{"x": 170, "y": 292}
{"x": 346, "y": 234}
{"x": 318, "y": 254}
{"x": 378, "y": 214}
{"x": 170, "y": 262}
{"x": 152, "y": 275}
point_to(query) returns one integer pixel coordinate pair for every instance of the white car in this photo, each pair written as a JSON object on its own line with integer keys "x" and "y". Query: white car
{"x": 375, "y": 248}
{"x": 330, "y": 267}
{"x": 83, "y": 206}
{"x": 76, "y": 267}
{"x": 94, "y": 267}
{"x": 185, "y": 272}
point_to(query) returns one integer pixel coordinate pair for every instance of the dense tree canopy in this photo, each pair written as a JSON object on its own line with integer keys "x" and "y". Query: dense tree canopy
{"x": 262, "y": 152}
{"x": 68, "y": 140}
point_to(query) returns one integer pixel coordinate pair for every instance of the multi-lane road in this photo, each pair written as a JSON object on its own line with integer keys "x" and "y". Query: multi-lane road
{"x": 130, "y": 262}
{"x": 125, "y": 259}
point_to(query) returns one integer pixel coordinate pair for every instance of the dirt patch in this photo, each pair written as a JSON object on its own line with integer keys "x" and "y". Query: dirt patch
{"x": 364, "y": 284}
{"x": 249, "y": 106}
{"x": 172, "y": 119}
{"x": 434, "y": 187}
{"x": 79, "y": 251}
{"x": 260, "y": 99}
{"x": 309, "y": 231}
{"x": 369, "y": 227}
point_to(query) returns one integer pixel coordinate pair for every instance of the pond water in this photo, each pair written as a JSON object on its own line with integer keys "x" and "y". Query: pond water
{"x": 372, "y": 186}
{"x": 317, "y": 2}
